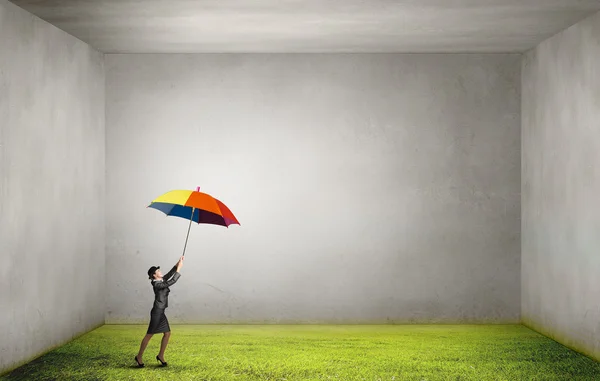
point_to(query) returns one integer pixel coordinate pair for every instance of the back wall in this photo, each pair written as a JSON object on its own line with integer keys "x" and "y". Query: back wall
{"x": 370, "y": 188}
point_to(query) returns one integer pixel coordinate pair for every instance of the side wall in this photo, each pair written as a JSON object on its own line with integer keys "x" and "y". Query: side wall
{"x": 561, "y": 187}
{"x": 52, "y": 191}
{"x": 370, "y": 188}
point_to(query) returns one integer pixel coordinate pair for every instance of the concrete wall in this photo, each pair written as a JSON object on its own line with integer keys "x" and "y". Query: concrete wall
{"x": 52, "y": 187}
{"x": 370, "y": 188}
{"x": 561, "y": 187}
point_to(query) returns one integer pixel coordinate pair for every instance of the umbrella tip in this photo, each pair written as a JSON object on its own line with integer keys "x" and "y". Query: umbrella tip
{"x": 197, "y": 189}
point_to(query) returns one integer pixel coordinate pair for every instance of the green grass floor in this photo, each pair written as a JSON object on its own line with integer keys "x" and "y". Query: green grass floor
{"x": 321, "y": 352}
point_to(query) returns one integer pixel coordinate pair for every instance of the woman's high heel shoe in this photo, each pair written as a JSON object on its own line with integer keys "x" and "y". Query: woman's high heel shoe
{"x": 162, "y": 363}
{"x": 140, "y": 365}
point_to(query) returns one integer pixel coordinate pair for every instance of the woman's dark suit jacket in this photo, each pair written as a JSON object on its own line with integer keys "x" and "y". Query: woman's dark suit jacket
{"x": 161, "y": 288}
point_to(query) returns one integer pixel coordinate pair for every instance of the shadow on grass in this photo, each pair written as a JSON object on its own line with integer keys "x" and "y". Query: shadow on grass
{"x": 29, "y": 370}
{"x": 51, "y": 367}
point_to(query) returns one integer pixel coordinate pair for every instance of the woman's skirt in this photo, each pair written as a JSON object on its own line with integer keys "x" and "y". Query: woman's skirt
{"x": 158, "y": 321}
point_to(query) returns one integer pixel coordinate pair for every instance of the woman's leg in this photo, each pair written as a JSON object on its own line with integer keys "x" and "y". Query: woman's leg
{"x": 163, "y": 345}
{"x": 143, "y": 345}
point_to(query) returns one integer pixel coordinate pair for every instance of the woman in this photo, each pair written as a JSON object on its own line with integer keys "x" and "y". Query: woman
{"x": 158, "y": 319}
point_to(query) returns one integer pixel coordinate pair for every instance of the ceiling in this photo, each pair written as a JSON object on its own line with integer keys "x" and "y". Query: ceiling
{"x": 297, "y": 26}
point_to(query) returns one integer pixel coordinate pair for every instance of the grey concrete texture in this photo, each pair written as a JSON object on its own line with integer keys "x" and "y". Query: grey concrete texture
{"x": 370, "y": 188}
{"x": 52, "y": 187}
{"x": 275, "y": 26}
{"x": 560, "y": 188}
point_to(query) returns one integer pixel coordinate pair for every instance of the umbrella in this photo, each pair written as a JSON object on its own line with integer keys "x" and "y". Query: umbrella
{"x": 194, "y": 206}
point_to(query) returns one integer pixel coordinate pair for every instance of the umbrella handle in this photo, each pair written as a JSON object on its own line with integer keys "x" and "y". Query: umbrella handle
{"x": 188, "y": 233}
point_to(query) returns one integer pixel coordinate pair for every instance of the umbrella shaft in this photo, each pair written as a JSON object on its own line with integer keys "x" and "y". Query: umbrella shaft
{"x": 188, "y": 232}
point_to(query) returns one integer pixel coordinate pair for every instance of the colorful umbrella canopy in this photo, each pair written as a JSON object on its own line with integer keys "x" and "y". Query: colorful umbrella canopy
{"x": 194, "y": 206}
